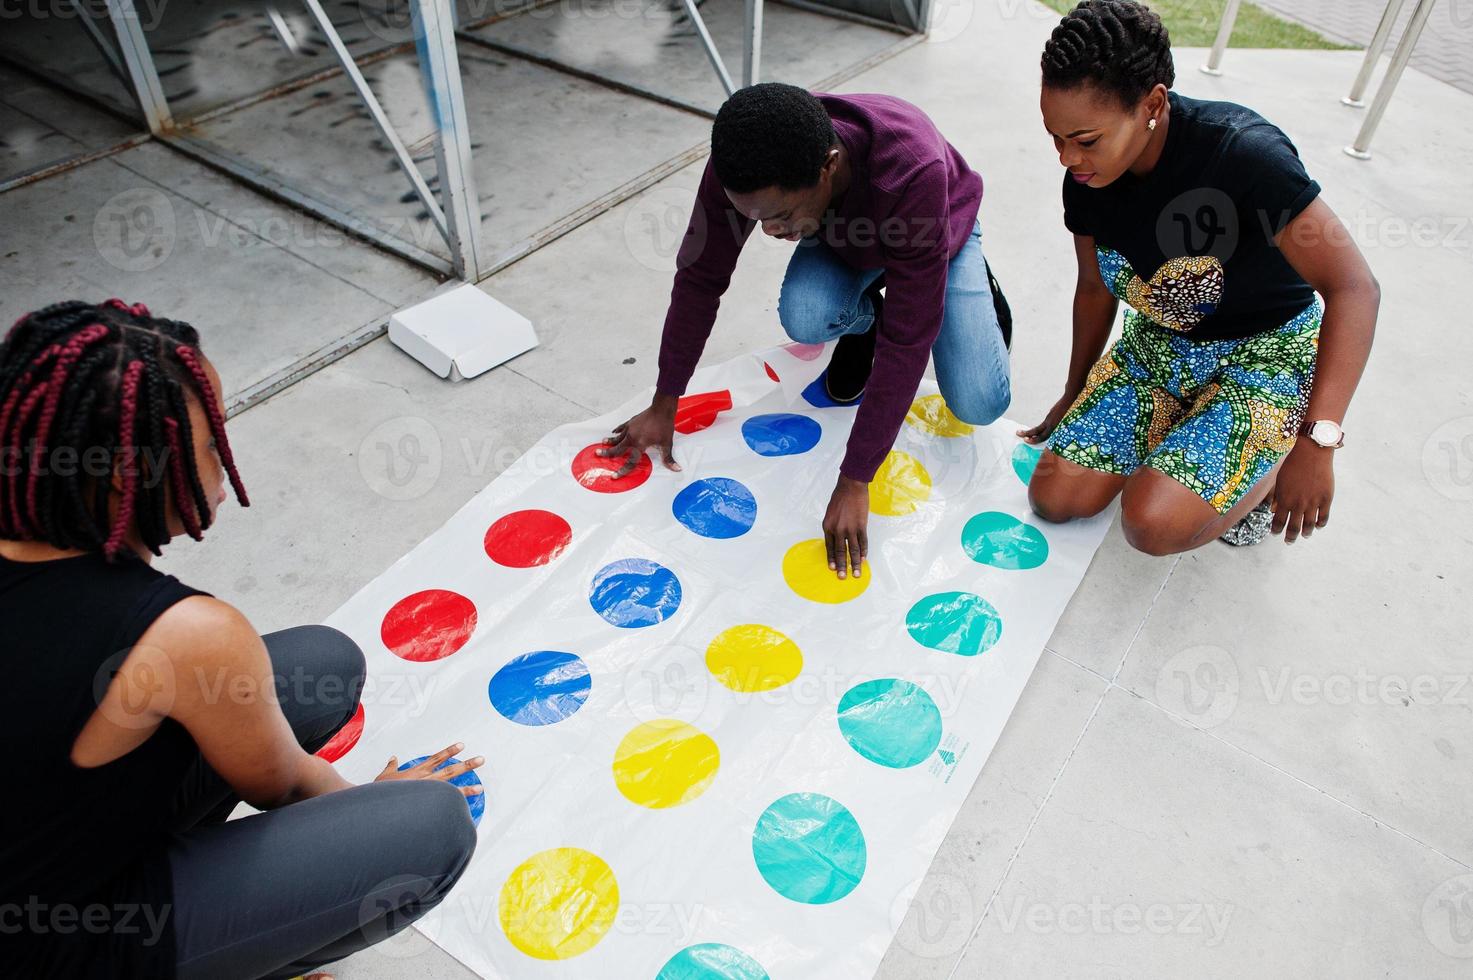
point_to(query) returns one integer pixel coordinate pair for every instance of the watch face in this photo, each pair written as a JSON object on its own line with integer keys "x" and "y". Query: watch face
{"x": 1326, "y": 433}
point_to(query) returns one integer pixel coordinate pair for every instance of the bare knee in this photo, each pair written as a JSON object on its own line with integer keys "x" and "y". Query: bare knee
{"x": 1154, "y": 520}
{"x": 1151, "y": 539}
{"x": 1058, "y": 496}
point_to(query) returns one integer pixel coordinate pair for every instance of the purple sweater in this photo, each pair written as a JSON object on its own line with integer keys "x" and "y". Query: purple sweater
{"x": 910, "y": 205}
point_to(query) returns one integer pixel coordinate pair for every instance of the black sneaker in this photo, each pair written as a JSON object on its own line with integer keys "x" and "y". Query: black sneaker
{"x": 1004, "y": 311}
{"x": 854, "y": 358}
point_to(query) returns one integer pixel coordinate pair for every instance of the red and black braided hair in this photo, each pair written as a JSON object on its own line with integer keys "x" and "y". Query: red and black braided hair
{"x": 87, "y": 391}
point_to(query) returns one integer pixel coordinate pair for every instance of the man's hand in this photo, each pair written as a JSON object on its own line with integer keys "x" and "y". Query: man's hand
{"x": 1041, "y": 431}
{"x": 1301, "y": 496}
{"x": 845, "y": 527}
{"x": 654, "y": 428}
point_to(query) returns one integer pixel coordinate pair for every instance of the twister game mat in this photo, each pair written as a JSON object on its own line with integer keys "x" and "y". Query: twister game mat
{"x": 706, "y": 756}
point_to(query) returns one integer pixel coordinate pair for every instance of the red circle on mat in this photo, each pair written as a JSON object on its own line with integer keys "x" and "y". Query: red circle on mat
{"x": 804, "y": 352}
{"x": 429, "y": 625}
{"x": 527, "y": 538}
{"x": 770, "y": 372}
{"x": 345, "y": 739}
{"x": 597, "y": 473}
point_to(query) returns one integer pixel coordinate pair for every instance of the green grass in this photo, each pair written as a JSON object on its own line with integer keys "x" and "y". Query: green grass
{"x": 1193, "y": 24}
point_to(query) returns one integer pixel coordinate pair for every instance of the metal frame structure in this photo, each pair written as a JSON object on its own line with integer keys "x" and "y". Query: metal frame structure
{"x": 435, "y": 33}
{"x": 454, "y": 212}
{"x": 1373, "y": 54}
{"x": 1224, "y": 34}
{"x": 1361, "y": 148}
{"x": 751, "y": 43}
{"x": 375, "y": 110}
{"x": 434, "y": 36}
{"x": 133, "y": 45}
{"x": 459, "y": 222}
{"x": 98, "y": 41}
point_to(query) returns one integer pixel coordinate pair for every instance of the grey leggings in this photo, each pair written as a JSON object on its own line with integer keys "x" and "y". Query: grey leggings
{"x": 281, "y": 893}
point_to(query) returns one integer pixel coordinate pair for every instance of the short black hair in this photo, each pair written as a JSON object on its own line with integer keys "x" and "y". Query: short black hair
{"x": 1118, "y": 45}
{"x": 770, "y": 134}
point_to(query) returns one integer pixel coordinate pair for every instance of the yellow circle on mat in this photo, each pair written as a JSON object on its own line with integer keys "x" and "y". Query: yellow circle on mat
{"x": 753, "y": 657}
{"x": 665, "y": 763}
{"x": 806, "y": 570}
{"x": 558, "y": 903}
{"x": 930, "y": 414}
{"x": 900, "y": 485}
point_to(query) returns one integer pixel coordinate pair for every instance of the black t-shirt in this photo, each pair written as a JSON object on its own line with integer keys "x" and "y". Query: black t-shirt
{"x": 1190, "y": 245}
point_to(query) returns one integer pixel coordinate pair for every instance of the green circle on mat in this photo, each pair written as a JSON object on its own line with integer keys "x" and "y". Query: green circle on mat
{"x": 711, "y": 961}
{"x": 809, "y": 848}
{"x": 891, "y": 722}
{"x": 954, "y": 622}
{"x": 1025, "y": 460}
{"x": 1003, "y": 541}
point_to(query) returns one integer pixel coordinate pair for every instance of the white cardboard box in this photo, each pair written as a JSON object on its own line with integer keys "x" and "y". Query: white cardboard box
{"x": 463, "y": 331}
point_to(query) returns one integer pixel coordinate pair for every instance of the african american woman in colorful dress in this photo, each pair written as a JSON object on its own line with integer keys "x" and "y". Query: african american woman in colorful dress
{"x": 1218, "y": 411}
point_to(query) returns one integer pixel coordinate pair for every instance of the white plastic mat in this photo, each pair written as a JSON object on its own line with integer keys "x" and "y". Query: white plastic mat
{"x": 671, "y": 796}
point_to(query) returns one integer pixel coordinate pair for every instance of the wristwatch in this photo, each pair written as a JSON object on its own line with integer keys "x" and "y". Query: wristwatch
{"x": 1326, "y": 434}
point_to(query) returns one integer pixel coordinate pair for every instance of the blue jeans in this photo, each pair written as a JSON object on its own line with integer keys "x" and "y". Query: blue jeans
{"x": 823, "y": 298}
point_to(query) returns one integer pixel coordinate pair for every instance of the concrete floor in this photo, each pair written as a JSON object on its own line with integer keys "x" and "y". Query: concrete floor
{"x": 1226, "y": 764}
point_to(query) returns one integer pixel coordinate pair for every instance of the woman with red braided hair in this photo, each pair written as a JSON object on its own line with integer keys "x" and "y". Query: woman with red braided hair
{"x": 1218, "y": 411}
{"x": 140, "y": 712}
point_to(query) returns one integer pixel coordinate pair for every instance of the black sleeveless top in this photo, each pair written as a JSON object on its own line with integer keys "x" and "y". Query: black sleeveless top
{"x": 82, "y": 867}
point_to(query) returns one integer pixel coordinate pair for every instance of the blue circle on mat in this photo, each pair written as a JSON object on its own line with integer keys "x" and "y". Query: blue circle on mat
{"x": 476, "y": 803}
{"x": 1025, "y": 460}
{"x": 716, "y": 508}
{"x": 781, "y": 434}
{"x": 817, "y": 394}
{"x": 540, "y": 688}
{"x": 711, "y": 961}
{"x": 890, "y": 722}
{"x": 634, "y": 592}
{"x": 809, "y": 848}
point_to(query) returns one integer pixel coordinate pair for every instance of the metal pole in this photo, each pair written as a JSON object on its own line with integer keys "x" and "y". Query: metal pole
{"x": 1357, "y": 95}
{"x": 283, "y": 30}
{"x": 712, "y": 54}
{"x": 752, "y": 43}
{"x": 434, "y": 36}
{"x": 1361, "y": 148}
{"x": 102, "y": 43}
{"x": 380, "y": 119}
{"x": 922, "y": 14}
{"x": 133, "y": 45}
{"x": 1224, "y": 34}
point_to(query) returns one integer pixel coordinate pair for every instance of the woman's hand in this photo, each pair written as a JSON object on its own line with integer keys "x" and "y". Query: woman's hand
{"x": 846, "y": 527}
{"x": 1302, "y": 493}
{"x": 427, "y": 770}
{"x": 654, "y": 428}
{"x": 1041, "y": 431}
